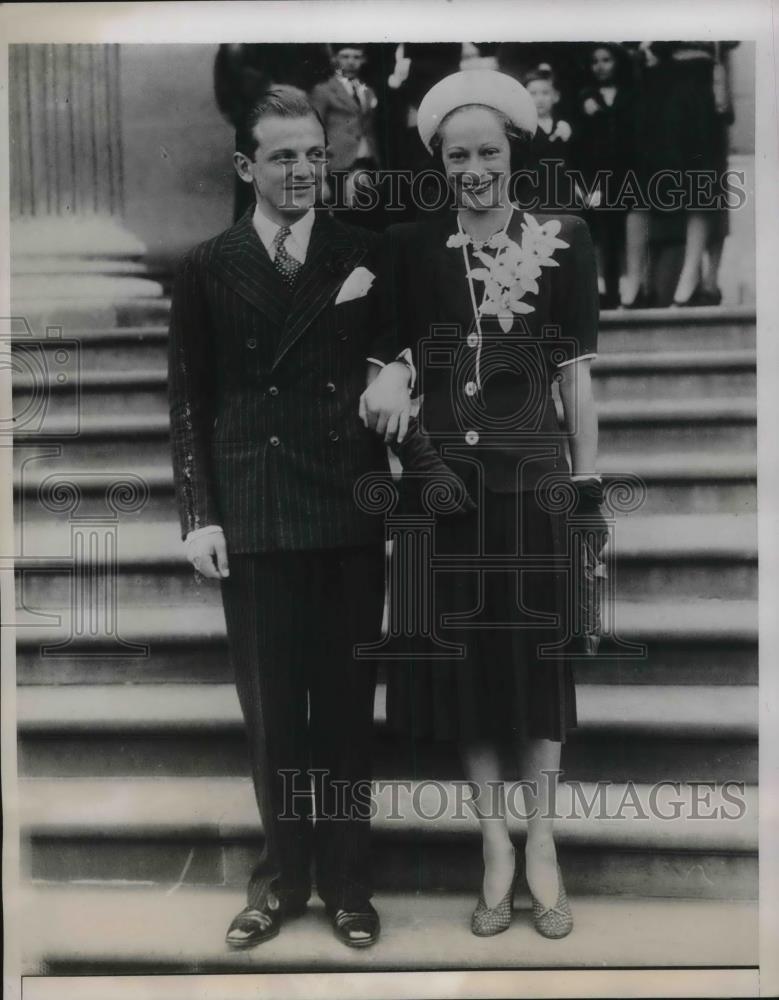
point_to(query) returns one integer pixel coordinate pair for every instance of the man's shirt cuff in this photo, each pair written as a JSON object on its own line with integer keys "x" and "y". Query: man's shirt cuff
{"x": 404, "y": 356}
{"x": 208, "y": 529}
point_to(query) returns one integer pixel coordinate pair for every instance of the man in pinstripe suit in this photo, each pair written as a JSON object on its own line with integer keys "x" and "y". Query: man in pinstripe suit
{"x": 269, "y": 337}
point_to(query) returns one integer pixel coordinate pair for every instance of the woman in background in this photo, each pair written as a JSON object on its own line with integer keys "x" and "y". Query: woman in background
{"x": 604, "y": 143}
{"x": 682, "y": 126}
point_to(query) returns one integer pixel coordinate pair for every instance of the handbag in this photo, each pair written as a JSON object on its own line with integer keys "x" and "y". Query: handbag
{"x": 590, "y": 569}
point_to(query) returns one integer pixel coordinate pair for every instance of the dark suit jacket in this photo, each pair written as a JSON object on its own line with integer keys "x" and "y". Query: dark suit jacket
{"x": 344, "y": 123}
{"x": 264, "y": 388}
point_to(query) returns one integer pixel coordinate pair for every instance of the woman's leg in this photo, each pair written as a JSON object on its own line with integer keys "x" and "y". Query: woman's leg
{"x": 710, "y": 279}
{"x": 694, "y": 245}
{"x": 540, "y": 767}
{"x": 636, "y": 250}
{"x": 482, "y": 768}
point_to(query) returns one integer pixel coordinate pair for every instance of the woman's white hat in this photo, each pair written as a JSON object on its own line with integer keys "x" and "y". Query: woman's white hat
{"x": 476, "y": 86}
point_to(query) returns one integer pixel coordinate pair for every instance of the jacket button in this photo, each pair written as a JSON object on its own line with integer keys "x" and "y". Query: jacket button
{"x": 472, "y": 437}
{"x": 330, "y": 387}
{"x": 334, "y": 435}
{"x": 251, "y": 343}
{"x": 274, "y": 441}
{"x": 343, "y": 336}
{"x": 273, "y": 390}
{"x": 470, "y": 388}
{"x": 472, "y": 340}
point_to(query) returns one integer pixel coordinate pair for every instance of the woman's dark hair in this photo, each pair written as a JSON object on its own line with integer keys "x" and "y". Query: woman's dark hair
{"x": 280, "y": 102}
{"x": 519, "y": 139}
{"x": 622, "y": 64}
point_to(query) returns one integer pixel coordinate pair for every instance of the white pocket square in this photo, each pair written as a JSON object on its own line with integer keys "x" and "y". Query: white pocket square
{"x": 356, "y": 285}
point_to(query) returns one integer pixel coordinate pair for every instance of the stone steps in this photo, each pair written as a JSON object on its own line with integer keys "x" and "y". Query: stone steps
{"x": 690, "y": 557}
{"x": 701, "y": 732}
{"x": 653, "y": 426}
{"x": 675, "y": 483}
{"x": 157, "y": 933}
{"x": 206, "y": 831}
{"x": 132, "y": 748}
{"x": 709, "y": 641}
{"x": 110, "y": 391}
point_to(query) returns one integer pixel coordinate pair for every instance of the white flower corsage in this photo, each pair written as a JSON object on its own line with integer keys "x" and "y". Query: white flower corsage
{"x": 512, "y": 272}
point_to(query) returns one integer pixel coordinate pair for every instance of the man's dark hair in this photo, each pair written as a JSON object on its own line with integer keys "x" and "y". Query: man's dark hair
{"x": 281, "y": 101}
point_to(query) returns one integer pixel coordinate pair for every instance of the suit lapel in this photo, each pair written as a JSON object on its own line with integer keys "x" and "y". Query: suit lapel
{"x": 242, "y": 262}
{"x": 341, "y": 95}
{"x": 331, "y": 256}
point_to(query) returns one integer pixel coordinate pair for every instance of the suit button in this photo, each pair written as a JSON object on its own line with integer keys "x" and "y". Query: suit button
{"x": 334, "y": 436}
{"x": 273, "y": 390}
{"x": 472, "y": 437}
{"x": 274, "y": 441}
{"x": 330, "y": 387}
{"x": 251, "y": 343}
{"x": 472, "y": 340}
{"x": 470, "y": 388}
{"x": 342, "y": 335}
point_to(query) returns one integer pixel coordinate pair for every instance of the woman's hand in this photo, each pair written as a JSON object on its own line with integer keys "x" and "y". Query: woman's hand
{"x": 590, "y": 106}
{"x": 562, "y": 131}
{"x": 385, "y": 405}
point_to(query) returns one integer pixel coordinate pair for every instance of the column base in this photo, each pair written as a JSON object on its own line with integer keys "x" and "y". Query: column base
{"x": 76, "y": 259}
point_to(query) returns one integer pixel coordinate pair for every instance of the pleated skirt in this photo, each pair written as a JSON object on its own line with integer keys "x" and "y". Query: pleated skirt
{"x": 502, "y": 669}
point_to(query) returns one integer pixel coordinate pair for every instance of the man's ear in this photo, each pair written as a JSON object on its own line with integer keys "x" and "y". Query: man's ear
{"x": 241, "y": 162}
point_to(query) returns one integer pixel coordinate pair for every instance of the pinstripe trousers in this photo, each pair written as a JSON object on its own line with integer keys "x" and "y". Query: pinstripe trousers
{"x": 293, "y": 618}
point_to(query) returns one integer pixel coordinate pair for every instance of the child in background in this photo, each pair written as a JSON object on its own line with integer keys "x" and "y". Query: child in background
{"x": 551, "y": 143}
{"x": 604, "y": 143}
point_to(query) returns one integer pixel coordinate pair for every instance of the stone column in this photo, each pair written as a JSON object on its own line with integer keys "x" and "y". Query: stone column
{"x": 68, "y": 240}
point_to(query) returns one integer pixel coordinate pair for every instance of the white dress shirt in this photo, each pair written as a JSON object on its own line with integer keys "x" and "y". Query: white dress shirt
{"x": 296, "y": 243}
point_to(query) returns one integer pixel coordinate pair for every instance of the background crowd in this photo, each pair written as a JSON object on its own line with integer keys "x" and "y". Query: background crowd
{"x": 633, "y": 136}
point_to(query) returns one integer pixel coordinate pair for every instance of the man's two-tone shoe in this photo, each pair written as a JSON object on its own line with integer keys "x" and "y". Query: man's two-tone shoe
{"x": 256, "y": 923}
{"x": 357, "y": 927}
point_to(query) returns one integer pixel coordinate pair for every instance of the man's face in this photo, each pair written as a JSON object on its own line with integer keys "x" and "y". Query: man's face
{"x": 350, "y": 62}
{"x": 287, "y": 170}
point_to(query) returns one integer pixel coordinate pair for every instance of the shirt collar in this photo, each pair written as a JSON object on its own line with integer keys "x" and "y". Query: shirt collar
{"x": 297, "y": 242}
{"x": 348, "y": 83}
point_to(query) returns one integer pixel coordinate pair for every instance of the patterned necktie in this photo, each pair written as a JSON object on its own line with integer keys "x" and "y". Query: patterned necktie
{"x": 287, "y": 266}
{"x": 356, "y": 94}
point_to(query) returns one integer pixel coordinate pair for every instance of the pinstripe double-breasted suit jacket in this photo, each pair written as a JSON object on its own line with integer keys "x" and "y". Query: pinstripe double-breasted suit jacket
{"x": 264, "y": 388}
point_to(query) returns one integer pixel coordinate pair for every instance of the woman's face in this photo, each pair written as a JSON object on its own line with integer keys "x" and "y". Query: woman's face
{"x": 603, "y": 65}
{"x": 477, "y": 157}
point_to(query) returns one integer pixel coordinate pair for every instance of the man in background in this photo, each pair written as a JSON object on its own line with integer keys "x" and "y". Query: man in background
{"x": 347, "y": 107}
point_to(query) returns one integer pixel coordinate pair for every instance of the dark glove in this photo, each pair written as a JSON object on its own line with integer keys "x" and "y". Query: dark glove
{"x": 419, "y": 456}
{"x": 589, "y": 498}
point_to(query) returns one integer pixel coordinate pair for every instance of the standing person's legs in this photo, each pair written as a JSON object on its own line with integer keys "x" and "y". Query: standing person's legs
{"x": 636, "y": 254}
{"x": 342, "y": 688}
{"x": 694, "y": 245}
{"x": 261, "y": 597}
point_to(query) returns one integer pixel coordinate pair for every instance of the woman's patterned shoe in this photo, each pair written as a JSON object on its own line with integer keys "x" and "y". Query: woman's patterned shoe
{"x": 557, "y": 920}
{"x": 489, "y": 920}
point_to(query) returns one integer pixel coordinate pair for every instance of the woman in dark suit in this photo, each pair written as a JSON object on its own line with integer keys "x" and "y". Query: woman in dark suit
{"x": 497, "y": 305}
